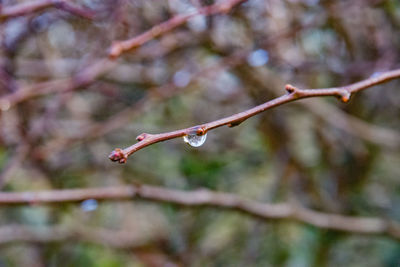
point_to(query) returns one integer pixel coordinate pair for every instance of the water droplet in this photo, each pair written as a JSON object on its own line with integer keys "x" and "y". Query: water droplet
{"x": 182, "y": 78}
{"x": 195, "y": 140}
{"x": 258, "y": 58}
{"x": 89, "y": 205}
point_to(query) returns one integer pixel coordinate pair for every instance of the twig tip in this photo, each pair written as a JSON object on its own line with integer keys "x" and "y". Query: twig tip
{"x": 118, "y": 155}
{"x": 115, "y": 50}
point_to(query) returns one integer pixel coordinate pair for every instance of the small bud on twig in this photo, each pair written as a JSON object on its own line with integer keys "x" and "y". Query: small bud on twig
{"x": 142, "y": 136}
{"x": 345, "y": 96}
{"x": 290, "y": 88}
{"x": 117, "y": 155}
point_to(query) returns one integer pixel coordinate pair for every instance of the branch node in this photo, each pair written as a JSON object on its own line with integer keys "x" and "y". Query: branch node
{"x": 234, "y": 123}
{"x": 118, "y": 155}
{"x": 344, "y": 96}
{"x": 141, "y": 137}
{"x": 291, "y": 89}
{"x": 201, "y": 130}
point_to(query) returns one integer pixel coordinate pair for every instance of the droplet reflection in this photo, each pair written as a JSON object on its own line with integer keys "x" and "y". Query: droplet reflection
{"x": 195, "y": 140}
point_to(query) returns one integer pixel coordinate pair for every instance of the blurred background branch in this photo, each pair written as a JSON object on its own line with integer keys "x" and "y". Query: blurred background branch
{"x": 28, "y": 8}
{"x": 119, "y": 47}
{"x": 61, "y": 233}
{"x": 204, "y": 197}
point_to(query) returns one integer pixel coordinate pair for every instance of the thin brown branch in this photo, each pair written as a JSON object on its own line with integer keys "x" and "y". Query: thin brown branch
{"x": 39, "y": 5}
{"x": 153, "y": 98}
{"x": 119, "y": 47}
{"x": 203, "y": 197}
{"x": 83, "y": 78}
{"x": 62, "y": 233}
{"x": 331, "y": 114}
{"x": 294, "y": 93}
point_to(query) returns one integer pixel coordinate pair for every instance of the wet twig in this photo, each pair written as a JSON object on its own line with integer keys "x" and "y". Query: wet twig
{"x": 293, "y": 93}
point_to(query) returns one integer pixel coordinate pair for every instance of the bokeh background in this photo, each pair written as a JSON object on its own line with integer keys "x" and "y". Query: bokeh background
{"x": 69, "y": 107}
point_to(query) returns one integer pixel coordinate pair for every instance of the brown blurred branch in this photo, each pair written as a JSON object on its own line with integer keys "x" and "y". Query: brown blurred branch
{"x": 372, "y": 133}
{"x": 84, "y": 77}
{"x": 294, "y": 93}
{"x": 60, "y": 233}
{"x": 39, "y": 5}
{"x": 203, "y": 197}
{"x": 119, "y": 47}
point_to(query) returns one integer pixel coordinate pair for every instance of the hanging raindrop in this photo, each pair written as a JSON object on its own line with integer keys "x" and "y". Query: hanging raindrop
{"x": 195, "y": 140}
